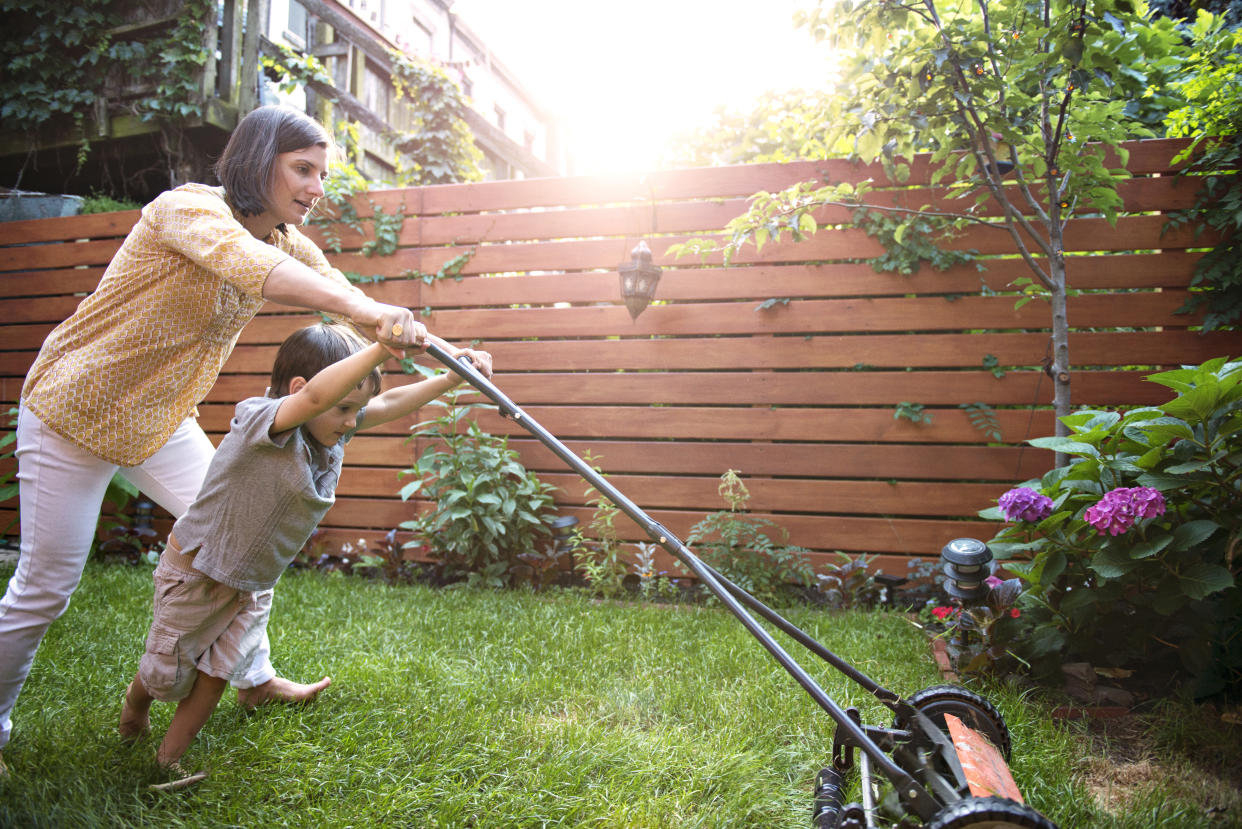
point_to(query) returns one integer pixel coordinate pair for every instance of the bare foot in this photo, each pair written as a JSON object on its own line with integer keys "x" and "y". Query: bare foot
{"x": 135, "y": 718}
{"x": 279, "y": 689}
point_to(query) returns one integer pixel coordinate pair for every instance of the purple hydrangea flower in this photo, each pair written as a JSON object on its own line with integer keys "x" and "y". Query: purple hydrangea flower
{"x": 1025, "y": 504}
{"x": 1122, "y": 508}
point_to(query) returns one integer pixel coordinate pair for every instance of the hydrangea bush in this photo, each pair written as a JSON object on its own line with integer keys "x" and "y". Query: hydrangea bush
{"x": 1130, "y": 554}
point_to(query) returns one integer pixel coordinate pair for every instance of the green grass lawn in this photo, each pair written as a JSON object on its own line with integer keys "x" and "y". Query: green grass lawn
{"x": 493, "y": 709}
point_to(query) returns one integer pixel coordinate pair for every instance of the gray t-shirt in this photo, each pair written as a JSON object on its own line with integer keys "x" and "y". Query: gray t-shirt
{"x": 261, "y": 500}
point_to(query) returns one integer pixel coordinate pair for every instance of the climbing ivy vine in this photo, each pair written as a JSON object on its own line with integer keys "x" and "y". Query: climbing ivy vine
{"x": 442, "y": 146}
{"x": 59, "y": 57}
{"x": 61, "y": 63}
{"x": 40, "y": 84}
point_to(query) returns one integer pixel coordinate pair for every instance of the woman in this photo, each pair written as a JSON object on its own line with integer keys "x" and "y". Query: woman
{"x": 115, "y": 386}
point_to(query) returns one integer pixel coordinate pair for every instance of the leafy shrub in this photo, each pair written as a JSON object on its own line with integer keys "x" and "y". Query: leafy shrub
{"x": 488, "y": 509}
{"x": 1210, "y": 115}
{"x": 742, "y": 547}
{"x": 850, "y": 583}
{"x": 103, "y": 203}
{"x": 1133, "y": 564}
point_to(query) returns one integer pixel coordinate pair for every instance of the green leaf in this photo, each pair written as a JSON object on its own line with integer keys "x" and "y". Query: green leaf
{"x": 1203, "y": 579}
{"x": 1189, "y": 466}
{"x": 1112, "y": 563}
{"x": 1164, "y": 429}
{"x": 1046, "y": 639}
{"x": 1193, "y": 533}
{"x": 1195, "y": 404}
{"x": 1053, "y": 521}
{"x": 1054, "y": 565}
{"x": 1151, "y": 546}
{"x": 1160, "y": 481}
{"x": 1102, "y": 420}
{"x": 1066, "y": 445}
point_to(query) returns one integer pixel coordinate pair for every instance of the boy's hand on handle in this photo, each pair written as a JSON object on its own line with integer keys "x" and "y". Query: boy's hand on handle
{"x": 481, "y": 360}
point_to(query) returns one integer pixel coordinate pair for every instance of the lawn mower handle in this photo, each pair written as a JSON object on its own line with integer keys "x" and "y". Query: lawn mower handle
{"x": 909, "y": 789}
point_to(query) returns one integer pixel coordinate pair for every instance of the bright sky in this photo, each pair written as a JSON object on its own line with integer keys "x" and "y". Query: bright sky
{"x": 625, "y": 76}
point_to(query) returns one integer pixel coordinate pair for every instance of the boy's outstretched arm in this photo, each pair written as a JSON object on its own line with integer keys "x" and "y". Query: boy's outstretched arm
{"x": 315, "y": 396}
{"x": 400, "y": 401}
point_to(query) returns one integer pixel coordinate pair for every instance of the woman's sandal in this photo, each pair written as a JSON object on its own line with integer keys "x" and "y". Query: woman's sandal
{"x": 181, "y": 779}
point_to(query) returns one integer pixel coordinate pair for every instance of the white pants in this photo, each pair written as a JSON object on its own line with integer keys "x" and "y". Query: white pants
{"x": 61, "y": 490}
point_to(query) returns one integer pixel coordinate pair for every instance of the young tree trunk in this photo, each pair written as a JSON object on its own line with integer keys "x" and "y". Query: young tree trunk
{"x": 1060, "y": 368}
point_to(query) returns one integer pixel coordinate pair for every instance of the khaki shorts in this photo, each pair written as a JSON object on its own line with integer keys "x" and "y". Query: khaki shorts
{"x": 199, "y": 625}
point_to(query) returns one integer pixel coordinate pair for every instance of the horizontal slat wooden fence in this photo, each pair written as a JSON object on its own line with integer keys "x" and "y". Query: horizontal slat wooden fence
{"x": 799, "y": 396}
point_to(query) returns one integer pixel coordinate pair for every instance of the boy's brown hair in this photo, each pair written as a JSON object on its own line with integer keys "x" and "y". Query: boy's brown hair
{"x": 308, "y": 351}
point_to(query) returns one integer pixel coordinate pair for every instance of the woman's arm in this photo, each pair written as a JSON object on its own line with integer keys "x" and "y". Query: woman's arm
{"x": 292, "y": 283}
{"x": 327, "y": 388}
{"x": 400, "y": 401}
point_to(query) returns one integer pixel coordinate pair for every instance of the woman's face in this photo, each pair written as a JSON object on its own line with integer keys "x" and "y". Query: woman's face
{"x": 297, "y": 184}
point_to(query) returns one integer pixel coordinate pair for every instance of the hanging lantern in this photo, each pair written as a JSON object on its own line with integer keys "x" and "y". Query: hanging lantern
{"x": 639, "y": 279}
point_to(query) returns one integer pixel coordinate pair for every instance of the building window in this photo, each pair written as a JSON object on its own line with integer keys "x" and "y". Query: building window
{"x": 298, "y": 32}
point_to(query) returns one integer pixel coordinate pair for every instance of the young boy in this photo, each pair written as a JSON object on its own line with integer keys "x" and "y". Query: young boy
{"x": 269, "y": 484}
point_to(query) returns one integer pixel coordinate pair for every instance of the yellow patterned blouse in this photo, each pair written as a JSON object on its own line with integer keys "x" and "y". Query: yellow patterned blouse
{"x": 142, "y": 351}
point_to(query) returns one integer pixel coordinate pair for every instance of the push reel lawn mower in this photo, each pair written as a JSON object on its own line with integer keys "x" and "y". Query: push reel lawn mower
{"x": 941, "y": 764}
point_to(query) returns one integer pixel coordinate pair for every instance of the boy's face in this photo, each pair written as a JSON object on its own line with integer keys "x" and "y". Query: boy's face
{"x": 329, "y": 427}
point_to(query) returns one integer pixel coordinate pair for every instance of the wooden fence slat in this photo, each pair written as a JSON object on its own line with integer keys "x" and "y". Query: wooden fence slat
{"x": 49, "y": 282}
{"x": 726, "y": 423}
{"x": 1131, "y": 271}
{"x": 67, "y": 228}
{"x": 1145, "y": 158}
{"x": 943, "y": 388}
{"x": 880, "y": 351}
{"x": 638, "y": 219}
{"x": 813, "y": 460}
{"x": 1131, "y": 233}
{"x": 885, "y": 314}
{"x": 66, "y": 255}
{"x": 766, "y": 494}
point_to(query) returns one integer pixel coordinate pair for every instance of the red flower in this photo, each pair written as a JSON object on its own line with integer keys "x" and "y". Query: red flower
{"x": 942, "y": 613}
{"x": 1014, "y": 612}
